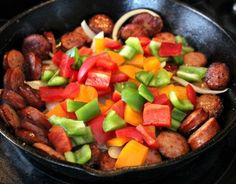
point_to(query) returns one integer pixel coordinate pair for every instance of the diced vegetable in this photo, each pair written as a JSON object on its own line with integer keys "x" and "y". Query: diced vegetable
{"x": 119, "y": 77}
{"x": 191, "y": 77}
{"x": 86, "y": 94}
{"x": 170, "y": 49}
{"x": 154, "y": 47}
{"x": 128, "y": 52}
{"x": 129, "y": 132}
{"x": 73, "y": 106}
{"x": 51, "y": 94}
{"x": 47, "y": 75}
{"x": 122, "y": 85}
{"x": 134, "y": 43}
{"x": 112, "y": 122}
{"x": 201, "y": 71}
{"x": 191, "y": 94}
{"x": 129, "y": 70}
{"x": 98, "y": 79}
{"x": 184, "y": 105}
{"x": 145, "y": 93}
{"x": 83, "y": 155}
{"x": 144, "y": 77}
{"x": 161, "y": 79}
{"x": 115, "y": 57}
{"x": 151, "y": 64}
{"x": 84, "y": 139}
{"x": 178, "y": 115}
{"x": 117, "y": 141}
{"x": 57, "y": 111}
{"x": 119, "y": 108}
{"x": 57, "y": 81}
{"x": 137, "y": 60}
{"x": 70, "y": 157}
{"x": 132, "y": 117}
{"x": 163, "y": 100}
{"x": 175, "y": 125}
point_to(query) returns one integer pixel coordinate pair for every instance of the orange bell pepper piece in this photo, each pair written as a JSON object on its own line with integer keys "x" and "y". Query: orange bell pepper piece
{"x": 104, "y": 107}
{"x": 117, "y": 141}
{"x": 57, "y": 110}
{"x": 151, "y": 64}
{"x": 132, "y": 117}
{"x": 86, "y": 94}
{"x": 129, "y": 70}
{"x": 137, "y": 60}
{"x": 133, "y": 154}
{"x": 99, "y": 45}
{"x": 179, "y": 90}
{"x": 115, "y": 57}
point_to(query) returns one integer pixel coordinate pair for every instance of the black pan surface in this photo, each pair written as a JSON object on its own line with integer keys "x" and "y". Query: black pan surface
{"x": 61, "y": 16}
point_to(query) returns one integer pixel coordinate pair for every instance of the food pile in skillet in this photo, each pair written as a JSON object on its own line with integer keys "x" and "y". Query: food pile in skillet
{"x": 113, "y": 95}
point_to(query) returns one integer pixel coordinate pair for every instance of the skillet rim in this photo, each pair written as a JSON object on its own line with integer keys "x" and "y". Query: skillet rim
{"x": 98, "y": 173}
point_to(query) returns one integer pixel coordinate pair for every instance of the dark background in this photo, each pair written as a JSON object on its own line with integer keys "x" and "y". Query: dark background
{"x": 16, "y": 168}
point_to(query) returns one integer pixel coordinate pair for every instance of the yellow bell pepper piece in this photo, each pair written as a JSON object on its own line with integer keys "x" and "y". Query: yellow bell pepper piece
{"x": 129, "y": 70}
{"x": 137, "y": 60}
{"x": 99, "y": 45}
{"x": 132, "y": 117}
{"x": 115, "y": 57}
{"x": 86, "y": 93}
{"x": 151, "y": 64}
{"x": 179, "y": 90}
{"x": 133, "y": 154}
{"x": 117, "y": 141}
{"x": 104, "y": 107}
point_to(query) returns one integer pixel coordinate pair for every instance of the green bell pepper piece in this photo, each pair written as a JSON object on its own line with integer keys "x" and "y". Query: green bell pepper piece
{"x": 181, "y": 39}
{"x": 144, "y": 77}
{"x": 190, "y": 77}
{"x": 83, "y": 155}
{"x": 73, "y": 106}
{"x": 83, "y": 139}
{"x": 112, "y": 122}
{"x": 154, "y": 48}
{"x": 174, "y": 125}
{"x": 70, "y": 157}
{"x": 145, "y": 93}
{"x": 127, "y": 52}
{"x": 133, "y": 99}
{"x": 187, "y": 49}
{"x": 57, "y": 81}
{"x": 122, "y": 85}
{"x": 72, "y": 127}
{"x": 134, "y": 43}
{"x": 88, "y": 111}
{"x": 183, "y": 105}
{"x": 47, "y": 75}
{"x": 178, "y": 60}
{"x": 161, "y": 79}
{"x": 201, "y": 71}
{"x": 178, "y": 115}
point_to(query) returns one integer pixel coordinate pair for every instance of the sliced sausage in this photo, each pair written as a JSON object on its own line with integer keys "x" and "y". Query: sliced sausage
{"x": 101, "y": 22}
{"x": 204, "y": 134}
{"x": 96, "y": 155}
{"x": 153, "y": 157}
{"x": 14, "y": 78}
{"x": 80, "y": 31}
{"x": 197, "y": 59}
{"x": 72, "y": 39}
{"x": 34, "y": 64}
{"x": 38, "y": 44}
{"x": 8, "y": 114}
{"x": 172, "y": 144}
{"x": 33, "y": 128}
{"x": 51, "y": 39}
{"x": 165, "y": 37}
{"x": 194, "y": 120}
{"x": 30, "y": 137}
{"x": 12, "y": 59}
{"x": 31, "y": 96}
{"x": 106, "y": 162}
{"x": 130, "y": 30}
{"x": 151, "y": 24}
{"x": 217, "y": 76}
{"x": 13, "y": 99}
{"x": 212, "y": 104}
{"x": 35, "y": 116}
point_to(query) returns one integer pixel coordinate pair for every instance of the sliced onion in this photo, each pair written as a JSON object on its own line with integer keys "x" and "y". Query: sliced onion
{"x": 126, "y": 16}
{"x": 114, "y": 151}
{"x": 36, "y": 84}
{"x": 51, "y": 105}
{"x": 99, "y": 35}
{"x": 198, "y": 89}
{"x": 87, "y": 30}
{"x": 163, "y": 64}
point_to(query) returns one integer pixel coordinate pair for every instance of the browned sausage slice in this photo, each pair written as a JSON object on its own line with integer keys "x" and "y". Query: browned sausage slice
{"x": 151, "y": 24}
{"x": 35, "y": 116}
{"x": 33, "y": 128}
{"x": 96, "y": 155}
{"x": 165, "y": 37}
{"x": 30, "y": 137}
{"x": 197, "y": 59}
{"x": 14, "y": 99}
{"x": 130, "y": 30}
{"x": 34, "y": 64}
{"x": 172, "y": 144}
{"x": 51, "y": 39}
{"x": 80, "y": 31}
{"x": 14, "y": 78}
{"x": 12, "y": 59}
{"x": 153, "y": 157}
{"x": 38, "y": 44}
{"x": 204, "y": 134}
{"x": 217, "y": 76}
{"x": 194, "y": 120}
{"x": 8, "y": 114}
{"x": 72, "y": 39}
{"x": 101, "y": 22}
{"x": 107, "y": 163}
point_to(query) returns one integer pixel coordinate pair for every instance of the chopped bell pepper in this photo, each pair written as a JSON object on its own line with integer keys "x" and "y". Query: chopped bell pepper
{"x": 57, "y": 57}
{"x": 179, "y": 90}
{"x": 137, "y": 60}
{"x": 144, "y": 41}
{"x": 151, "y": 64}
{"x": 154, "y": 47}
{"x": 71, "y": 90}
{"x": 83, "y": 155}
{"x": 117, "y": 141}
{"x": 119, "y": 108}
{"x": 163, "y": 100}
{"x": 175, "y": 125}
{"x": 128, "y": 52}
{"x": 86, "y": 94}
{"x": 191, "y": 94}
{"x": 129, "y": 70}
{"x": 51, "y": 94}
{"x": 134, "y": 43}
{"x": 113, "y": 44}
{"x": 145, "y": 93}
{"x": 88, "y": 111}
{"x": 184, "y": 105}
{"x": 132, "y": 117}
{"x": 144, "y": 77}
{"x": 57, "y": 81}
{"x": 57, "y": 110}
{"x": 83, "y": 139}
{"x": 99, "y": 45}
{"x": 108, "y": 65}
{"x": 115, "y": 57}
{"x": 73, "y": 106}
{"x": 69, "y": 156}
{"x": 178, "y": 115}
{"x": 162, "y": 78}
{"x": 200, "y": 71}
{"x": 191, "y": 77}
{"x": 106, "y": 105}
{"x": 65, "y": 66}
{"x": 133, "y": 154}
{"x": 179, "y": 60}
{"x": 112, "y": 122}
{"x": 122, "y": 85}
{"x": 129, "y": 132}
{"x": 85, "y": 51}
{"x": 47, "y": 75}
{"x": 116, "y": 96}
{"x": 119, "y": 77}
{"x": 170, "y": 49}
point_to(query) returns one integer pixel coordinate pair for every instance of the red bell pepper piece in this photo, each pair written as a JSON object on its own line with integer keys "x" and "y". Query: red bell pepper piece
{"x": 147, "y": 51}
{"x": 130, "y": 132}
{"x": 85, "y": 51}
{"x": 98, "y": 79}
{"x": 157, "y": 115}
{"x": 65, "y": 66}
{"x": 191, "y": 94}
{"x": 154, "y": 91}
{"x": 71, "y": 90}
{"x": 61, "y": 142}
{"x": 162, "y": 100}
{"x": 51, "y": 94}
{"x": 148, "y": 135}
{"x": 74, "y": 75}
{"x": 116, "y": 96}
{"x": 119, "y": 77}
{"x": 106, "y": 64}
{"x": 57, "y": 57}
{"x": 170, "y": 49}
{"x": 70, "y": 115}
{"x": 100, "y": 136}
{"x": 144, "y": 41}
{"x": 112, "y": 44}
{"x": 119, "y": 108}
{"x": 105, "y": 91}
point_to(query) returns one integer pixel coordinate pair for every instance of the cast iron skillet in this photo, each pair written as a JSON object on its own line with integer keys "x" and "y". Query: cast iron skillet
{"x": 62, "y": 16}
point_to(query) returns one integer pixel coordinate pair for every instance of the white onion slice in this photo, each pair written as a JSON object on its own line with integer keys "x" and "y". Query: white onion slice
{"x": 36, "y": 84}
{"x": 51, "y": 105}
{"x": 163, "y": 64}
{"x": 126, "y": 16}
{"x": 87, "y": 30}
{"x": 198, "y": 89}
{"x": 114, "y": 151}
{"x": 99, "y": 35}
